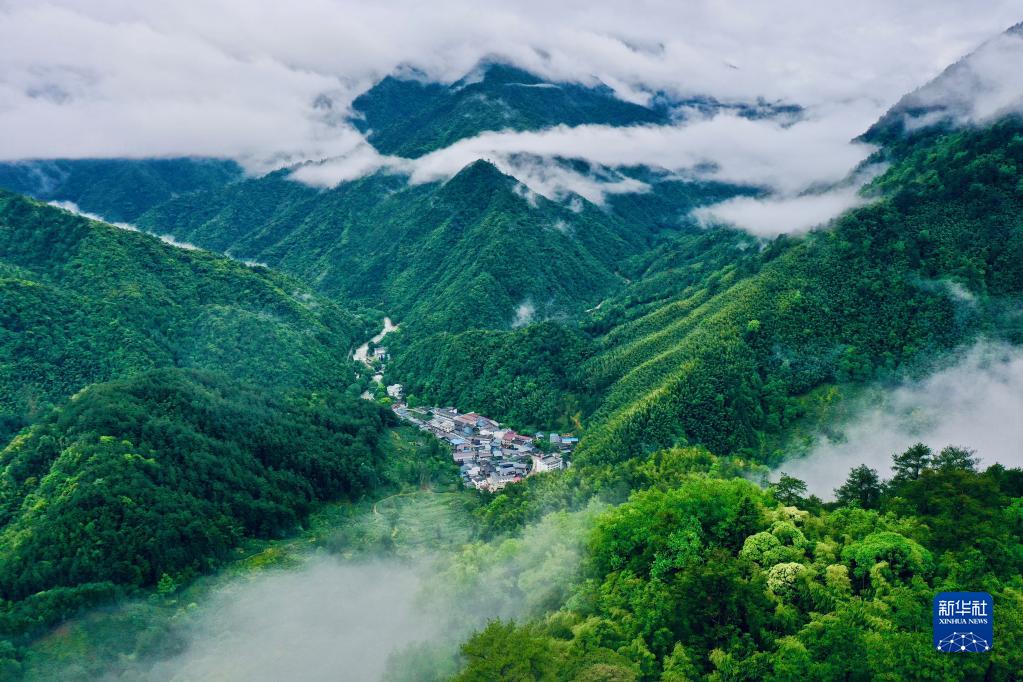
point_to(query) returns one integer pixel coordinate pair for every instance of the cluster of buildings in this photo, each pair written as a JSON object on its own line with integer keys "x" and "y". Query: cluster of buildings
{"x": 490, "y": 456}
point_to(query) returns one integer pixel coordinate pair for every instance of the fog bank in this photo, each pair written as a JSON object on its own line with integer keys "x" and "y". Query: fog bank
{"x": 976, "y": 403}
{"x": 331, "y": 620}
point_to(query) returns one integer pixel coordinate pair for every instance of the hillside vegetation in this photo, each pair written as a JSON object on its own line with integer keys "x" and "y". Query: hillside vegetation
{"x": 161, "y": 476}
{"x": 700, "y": 576}
{"x": 878, "y": 290}
{"x": 117, "y": 189}
{"x": 81, "y": 302}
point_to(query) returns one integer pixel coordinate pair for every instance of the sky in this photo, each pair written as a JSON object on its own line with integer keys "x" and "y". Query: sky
{"x": 242, "y": 79}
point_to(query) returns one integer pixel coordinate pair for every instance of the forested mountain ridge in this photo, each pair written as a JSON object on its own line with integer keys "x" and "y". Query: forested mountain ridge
{"x": 168, "y": 403}
{"x": 466, "y": 253}
{"x": 117, "y": 189}
{"x": 853, "y": 303}
{"x": 410, "y": 117}
{"x": 163, "y": 474}
{"x": 84, "y": 302}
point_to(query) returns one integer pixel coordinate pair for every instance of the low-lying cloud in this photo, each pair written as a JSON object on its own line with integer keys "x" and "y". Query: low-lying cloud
{"x": 331, "y": 620}
{"x": 165, "y": 238}
{"x": 975, "y": 403}
{"x": 399, "y": 614}
{"x": 772, "y": 216}
{"x": 725, "y": 147}
{"x": 784, "y": 158}
{"x": 777, "y": 213}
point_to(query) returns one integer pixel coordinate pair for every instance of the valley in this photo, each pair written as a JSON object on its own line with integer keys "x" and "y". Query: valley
{"x": 517, "y": 364}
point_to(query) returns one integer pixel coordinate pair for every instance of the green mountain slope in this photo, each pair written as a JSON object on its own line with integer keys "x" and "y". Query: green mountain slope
{"x": 468, "y": 253}
{"x": 81, "y": 302}
{"x": 164, "y": 473}
{"x": 409, "y": 117}
{"x": 849, "y": 304}
{"x": 704, "y": 576}
{"x": 117, "y": 189}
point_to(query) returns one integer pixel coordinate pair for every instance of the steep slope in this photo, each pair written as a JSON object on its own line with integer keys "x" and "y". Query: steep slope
{"x": 410, "y": 117}
{"x": 163, "y": 474}
{"x": 878, "y": 291}
{"x": 81, "y": 302}
{"x": 471, "y": 252}
{"x": 979, "y": 88}
{"x": 117, "y": 189}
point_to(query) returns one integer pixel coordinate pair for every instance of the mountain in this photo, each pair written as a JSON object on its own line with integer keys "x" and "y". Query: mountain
{"x": 117, "y": 189}
{"x": 473, "y": 252}
{"x": 980, "y": 88}
{"x": 84, "y": 302}
{"x": 729, "y": 357}
{"x": 164, "y": 474}
{"x": 160, "y": 405}
{"x": 410, "y": 117}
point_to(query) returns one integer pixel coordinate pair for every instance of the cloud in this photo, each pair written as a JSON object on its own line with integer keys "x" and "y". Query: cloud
{"x": 328, "y": 621}
{"x": 772, "y": 216}
{"x": 784, "y": 158}
{"x": 974, "y": 403}
{"x": 524, "y": 314}
{"x": 725, "y": 147}
{"x": 778, "y": 214}
{"x": 983, "y": 86}
{"x": 271, "y": 85}
{"x": 328, "y": 618}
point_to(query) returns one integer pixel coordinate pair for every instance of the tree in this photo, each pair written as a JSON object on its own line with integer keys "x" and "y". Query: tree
{"x": 952, "y": 458}
{"x": 862, "y": 488}
{"x": 502, "y": 651}
{"x": 166, "y": 586}
{"x": 789, "y": 490}
{"x": 909, "y": 464}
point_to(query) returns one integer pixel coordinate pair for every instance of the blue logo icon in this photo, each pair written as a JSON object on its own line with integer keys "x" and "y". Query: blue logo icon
{"x": 963, "y": 622}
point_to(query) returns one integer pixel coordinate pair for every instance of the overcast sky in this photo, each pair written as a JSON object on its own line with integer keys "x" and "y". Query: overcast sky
{"x": 238, "y": 78}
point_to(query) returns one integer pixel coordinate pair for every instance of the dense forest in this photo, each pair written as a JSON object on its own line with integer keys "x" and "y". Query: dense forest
{"x": 161, "y": 405}
{"x": 474, "y": 252}
{"x": 81, "y": 302}
{"x": 117, "y": 189}
{"x": 160, "y": 476}
{"x": 702, "y": 576}
{"x": 724, "y": 354}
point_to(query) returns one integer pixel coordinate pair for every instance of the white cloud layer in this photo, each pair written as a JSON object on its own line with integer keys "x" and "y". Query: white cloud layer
{"x": 272, "y": 85}
{"x": 975, "y": 403}
{"x": 328, "y": 621}
{"x": 788, "y": 159}
{"x": 772, "y": 216}
{"x": 269, "y": 82}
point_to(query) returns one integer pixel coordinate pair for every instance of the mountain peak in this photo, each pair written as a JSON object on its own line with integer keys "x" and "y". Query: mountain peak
{"x": 982, "y": 86}
{"x": 411, "y": 117}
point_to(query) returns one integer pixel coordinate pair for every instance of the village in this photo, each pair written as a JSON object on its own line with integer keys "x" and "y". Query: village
{"x": 489, "y": 455}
